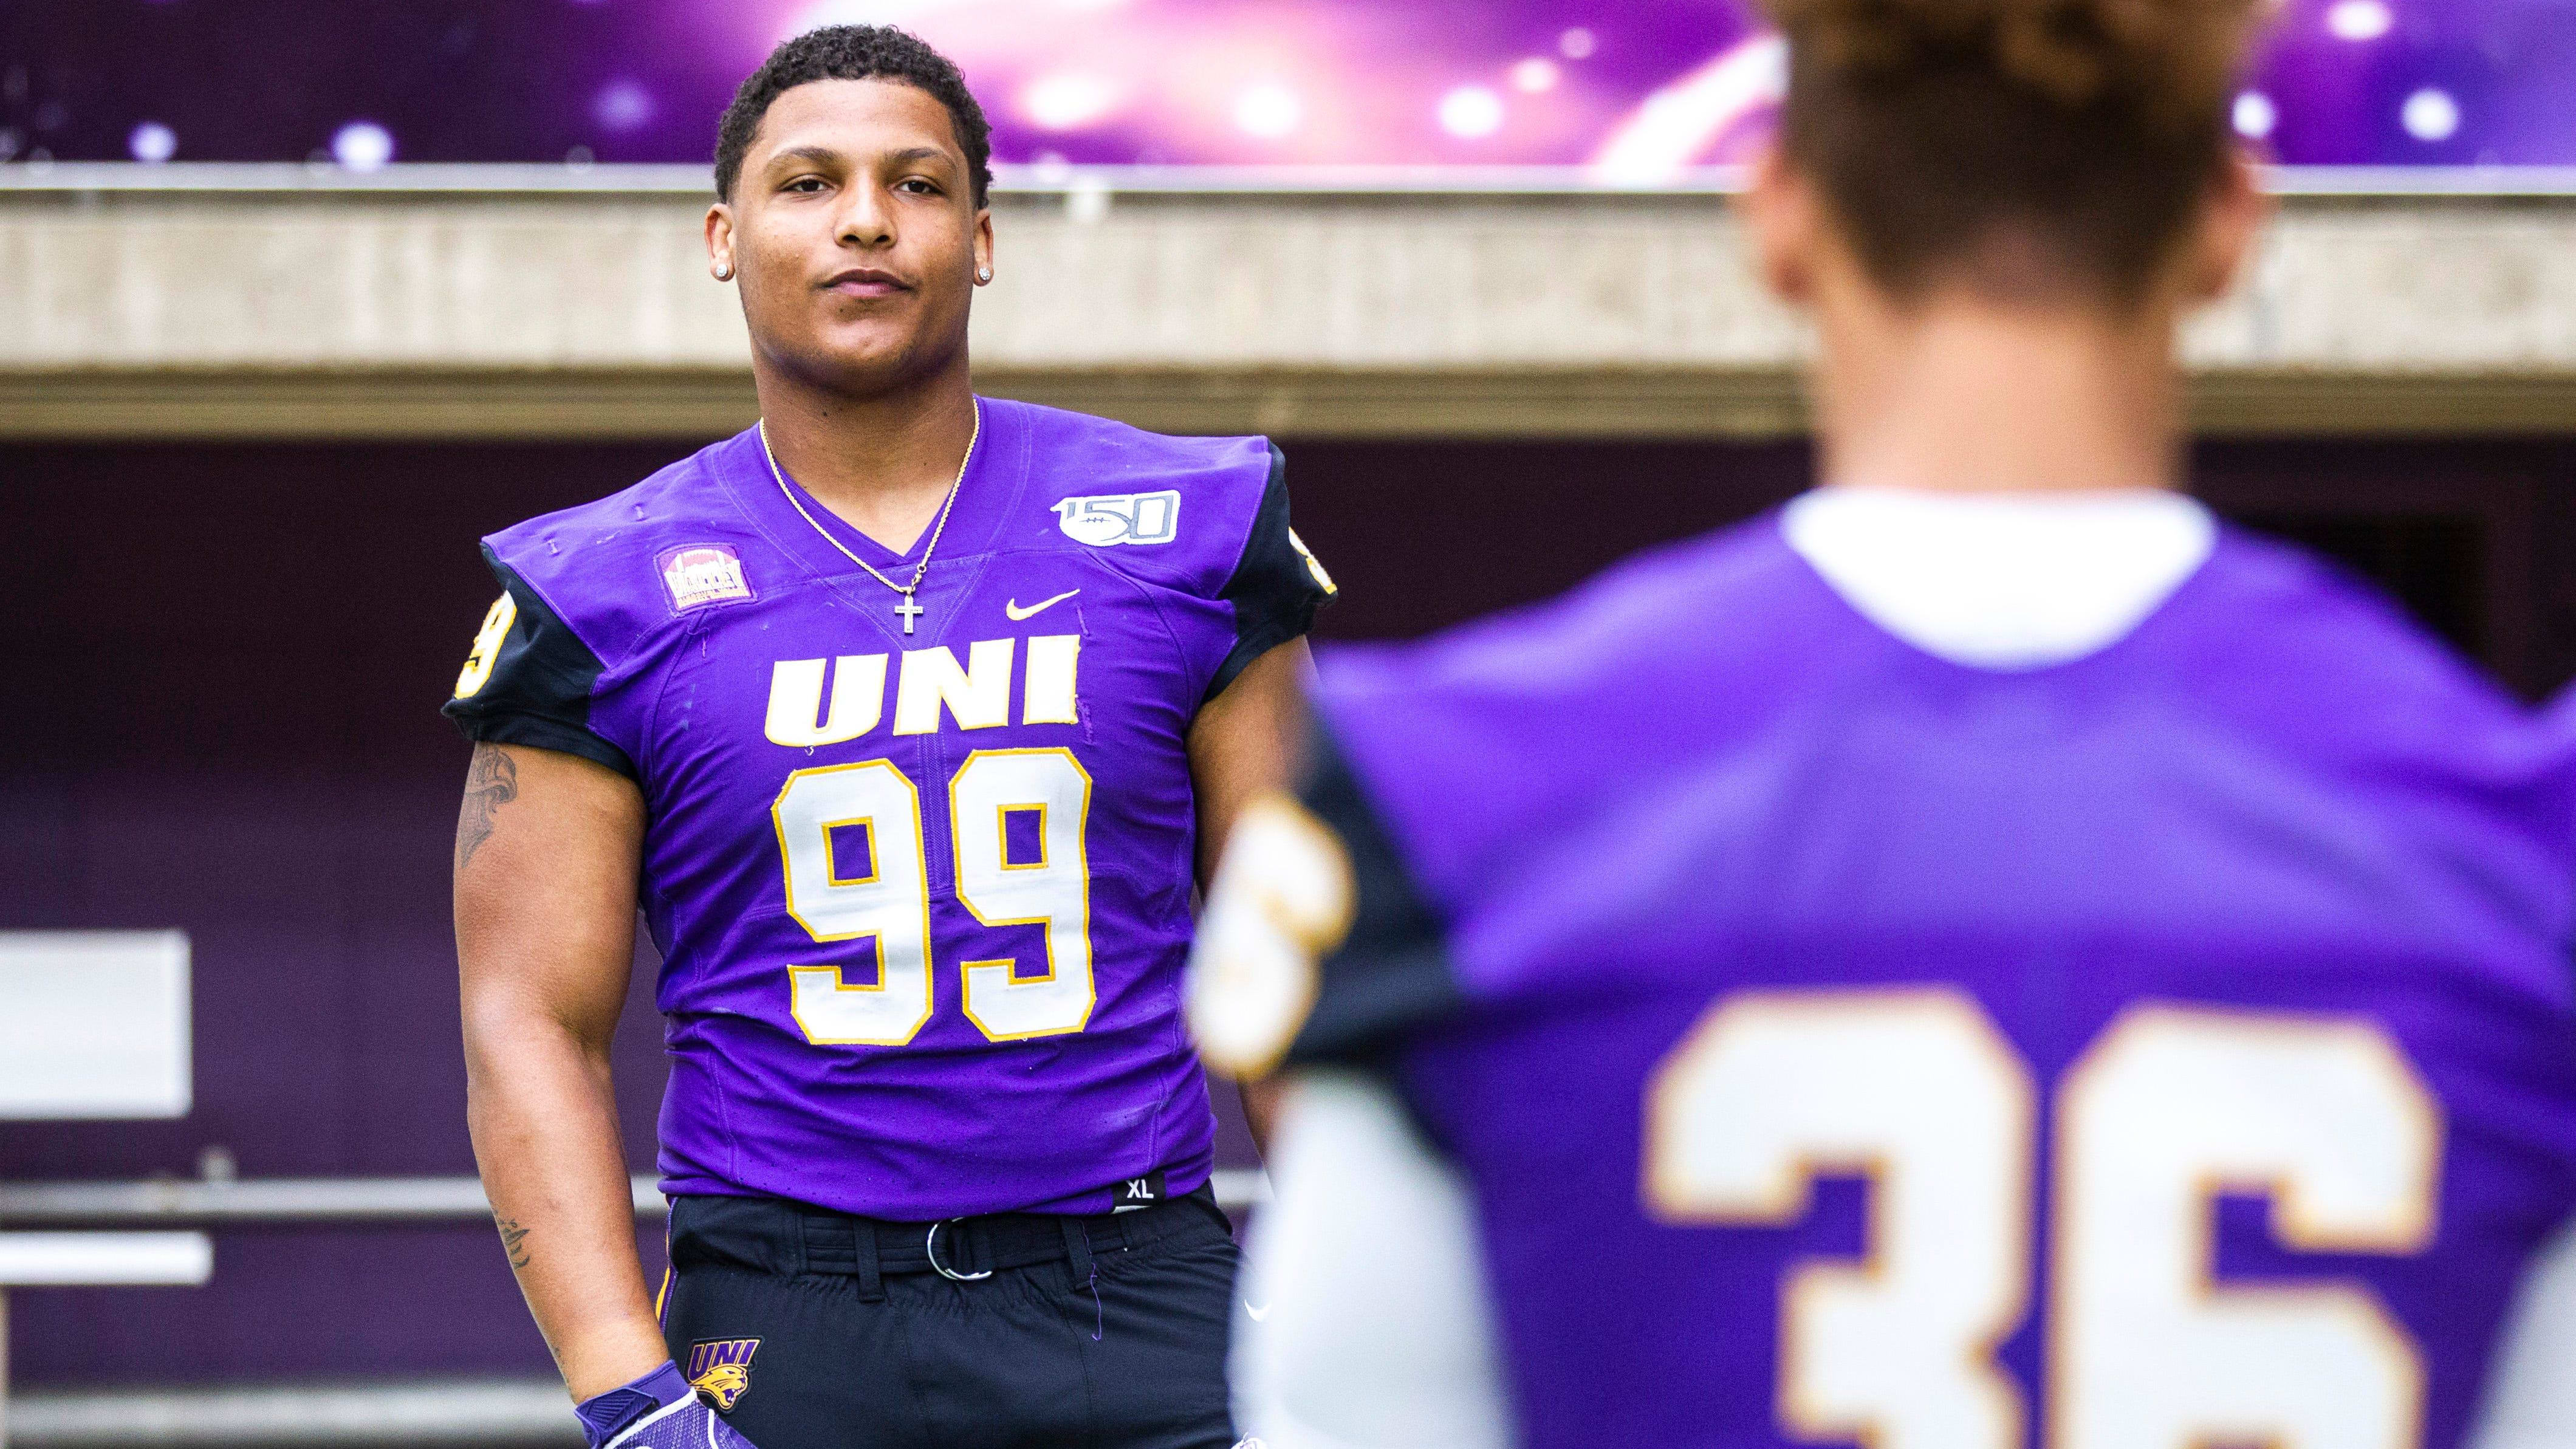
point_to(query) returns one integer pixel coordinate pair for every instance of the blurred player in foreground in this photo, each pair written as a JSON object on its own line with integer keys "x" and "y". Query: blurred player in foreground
{"x": 904, "y": 715}
{"x": 1984, "y": 956}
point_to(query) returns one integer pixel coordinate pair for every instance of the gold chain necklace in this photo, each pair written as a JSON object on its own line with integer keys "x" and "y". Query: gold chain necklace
{"x": 908, "y": 609}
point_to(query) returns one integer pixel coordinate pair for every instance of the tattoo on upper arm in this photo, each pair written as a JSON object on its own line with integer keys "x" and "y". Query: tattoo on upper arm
{"x": 514, "y": 1239}
{"x": 492, "y": 783}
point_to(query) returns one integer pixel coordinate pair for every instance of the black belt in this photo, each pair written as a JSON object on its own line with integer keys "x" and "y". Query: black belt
{"x": 792, "y": 1238}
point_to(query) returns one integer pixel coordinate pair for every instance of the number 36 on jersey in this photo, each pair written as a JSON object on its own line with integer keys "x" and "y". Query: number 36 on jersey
{"x": 1919, "y": 1092}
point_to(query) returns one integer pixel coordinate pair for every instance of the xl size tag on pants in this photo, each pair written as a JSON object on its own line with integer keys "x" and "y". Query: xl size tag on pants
{"x": 1137, "y": 1193}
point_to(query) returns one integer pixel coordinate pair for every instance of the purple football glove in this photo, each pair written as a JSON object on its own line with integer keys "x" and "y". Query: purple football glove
{"x": 688, "y": 1425}
{"x": 657, "y": 1411}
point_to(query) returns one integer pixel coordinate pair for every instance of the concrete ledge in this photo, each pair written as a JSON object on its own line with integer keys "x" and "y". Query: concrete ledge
{"x": 2358, "y": 404}
{"x": 216, "y": 405}
{"x": 344, "y": 404}
{"x": 584, "y": 314}
{"x": 207, "y": 404}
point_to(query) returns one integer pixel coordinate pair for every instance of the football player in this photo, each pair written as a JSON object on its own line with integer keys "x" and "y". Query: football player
{"x": 904, "y": 717}
{"x": 1986, "y": 956}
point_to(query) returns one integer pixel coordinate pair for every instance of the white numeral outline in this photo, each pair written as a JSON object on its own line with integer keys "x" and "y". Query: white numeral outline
{"x": 1003, "y": 1004}
{"x": 2169, "y": 1109}
{"x": 890, "y": 905}
{"x": 2123, "y": 1373}
{"x": 1947, "y": 1209}
{"x": 1283, "y": 900}
{"x": 827, "y": 1008}
{"x": 487, "y": 646}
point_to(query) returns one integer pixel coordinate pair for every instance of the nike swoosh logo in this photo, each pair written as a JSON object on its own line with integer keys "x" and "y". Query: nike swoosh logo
{"x": 1260, "y": 1314}
{"x": 1017, "y": 613}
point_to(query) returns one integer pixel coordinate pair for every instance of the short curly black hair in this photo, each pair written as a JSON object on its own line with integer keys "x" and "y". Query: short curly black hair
{"x": 853, "y": 52}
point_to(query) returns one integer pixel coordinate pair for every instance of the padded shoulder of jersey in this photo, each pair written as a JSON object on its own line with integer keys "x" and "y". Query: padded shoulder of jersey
{"x": 2377, "y": 689}
{"x": 1534, "y": 712}
{"x": 1100, "y": 486}
{"x": 602, "y": 565}
{"x": 2344, "y": 628}
{"x": 1698, "y": 669}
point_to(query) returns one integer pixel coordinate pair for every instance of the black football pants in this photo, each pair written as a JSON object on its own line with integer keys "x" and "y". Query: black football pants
{"x": 1091, "y": 1333}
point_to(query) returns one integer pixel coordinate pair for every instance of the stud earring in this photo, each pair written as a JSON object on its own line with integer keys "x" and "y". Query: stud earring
{"x": 724, "y": 271}
{"x": 984, "y": 274}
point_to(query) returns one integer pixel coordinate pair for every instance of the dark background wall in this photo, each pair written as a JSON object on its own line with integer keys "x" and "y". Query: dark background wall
{"x": 223, "y": 667}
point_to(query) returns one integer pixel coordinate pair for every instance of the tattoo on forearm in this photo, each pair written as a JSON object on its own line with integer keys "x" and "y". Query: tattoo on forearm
{"x": 514, "y": 1241}
{"x": 492, "y": 783}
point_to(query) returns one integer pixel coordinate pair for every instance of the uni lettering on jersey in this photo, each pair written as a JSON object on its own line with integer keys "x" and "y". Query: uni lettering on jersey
{"x": 978, "y": 696}
{"x": 929, "y": 685}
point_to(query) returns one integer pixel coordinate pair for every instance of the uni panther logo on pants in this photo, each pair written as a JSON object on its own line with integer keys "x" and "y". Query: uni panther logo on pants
{"x": 721, "y": 1369}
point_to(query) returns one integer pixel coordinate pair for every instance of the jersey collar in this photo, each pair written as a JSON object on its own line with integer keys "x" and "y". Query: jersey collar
{"x": 1998, "y": 581}
{"x": 995, "y": 479}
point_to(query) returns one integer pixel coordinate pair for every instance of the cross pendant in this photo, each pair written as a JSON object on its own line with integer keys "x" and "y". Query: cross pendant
{"x": 910, "y": 612}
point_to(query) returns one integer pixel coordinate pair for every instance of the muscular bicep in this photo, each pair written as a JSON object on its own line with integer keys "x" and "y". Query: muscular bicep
{"x": 547, "y": 848}
{"x": 1244, "y": 743}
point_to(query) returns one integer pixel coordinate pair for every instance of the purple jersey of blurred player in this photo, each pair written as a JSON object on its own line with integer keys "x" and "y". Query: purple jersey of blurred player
{"x": 922, "y": 897}
{"x": 2168, "y": 1043}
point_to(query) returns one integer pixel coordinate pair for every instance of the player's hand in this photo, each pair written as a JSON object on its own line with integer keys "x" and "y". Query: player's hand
{"x": 686, "y": 1425}
{"x": 657, "y": 1411}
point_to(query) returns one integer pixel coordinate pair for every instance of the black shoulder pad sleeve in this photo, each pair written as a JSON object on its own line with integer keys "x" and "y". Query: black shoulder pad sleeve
{"x": 529, "y": 680}
{"x": 1277, "y": 585}
{"x": 1392, "y": 972}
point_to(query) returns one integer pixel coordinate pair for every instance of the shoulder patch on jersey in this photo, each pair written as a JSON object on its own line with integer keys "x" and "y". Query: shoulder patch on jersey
{"x": 1104, "y": 520}
{"x": 701, "y": 574}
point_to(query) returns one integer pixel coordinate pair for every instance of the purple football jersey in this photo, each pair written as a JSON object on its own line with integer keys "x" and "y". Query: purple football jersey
{"x": 1843, "y": 1045}
{"x": 923, "y": 898}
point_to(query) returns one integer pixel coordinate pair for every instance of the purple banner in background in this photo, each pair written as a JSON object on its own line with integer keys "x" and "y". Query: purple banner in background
{"x": 1635, "y": 90}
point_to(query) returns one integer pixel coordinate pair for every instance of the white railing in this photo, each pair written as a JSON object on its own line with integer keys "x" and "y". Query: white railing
{"x": 485, "y": 1413}
{"x": 489, "y": 1413}
{"x": 328, "y": 1200}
